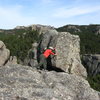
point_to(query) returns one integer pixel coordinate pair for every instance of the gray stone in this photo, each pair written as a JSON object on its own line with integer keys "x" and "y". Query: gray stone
{"x": 41, "y": 28}
{"x": 73, "y": 27}
{"x": 92, "y": 64}
{"x": 20, "y": 27}
{"x": 68, "y": 57}
{"x": 31, "y": 58}
{"x": 47, "y": 39}
{"x": 12, "y": 60}
{"x": 19, "y": 82}
{"x": 4, "y": 54}
{"x": 67, "y": 48}
{"x": 37, "y": 27}
{"x": 2, "y": 45}
{"x": 97, "y": 30}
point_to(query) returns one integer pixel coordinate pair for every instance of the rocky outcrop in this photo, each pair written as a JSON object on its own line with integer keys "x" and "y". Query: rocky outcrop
{"x": 92, "y": 64}
{"x": 41, "y": 28}
{"x": 5, "y": 58}
{"x": 20, "y": 27}
{"x": 81, "y": 29}
{"x": 68, "y": 54}
{"x": 74, "y": 28}
{"x": 37, "y": 27}
{"x": 31, "y": 58}
{"x": 98, "y": 30}
{"x": 1, "y": 30}
{"x": 19, "y": 82}
{"x": 49, "y": 38}
{"x": 4, "y": 54}
{"x": 12, "y": 60}
{"x": 67, "y": 48}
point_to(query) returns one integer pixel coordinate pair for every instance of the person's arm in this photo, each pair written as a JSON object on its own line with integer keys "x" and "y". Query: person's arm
{"x": 53, "y": 53}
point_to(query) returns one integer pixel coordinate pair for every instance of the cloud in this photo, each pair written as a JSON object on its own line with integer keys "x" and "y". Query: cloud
{"x": 12, "y": 16}
{"x": 75, "y": 11}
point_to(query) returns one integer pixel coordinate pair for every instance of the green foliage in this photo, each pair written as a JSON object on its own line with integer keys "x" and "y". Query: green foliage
{"x": 89, "y": 41}
{"x": 20, "y": 42}
{"x": 94, "y": 82}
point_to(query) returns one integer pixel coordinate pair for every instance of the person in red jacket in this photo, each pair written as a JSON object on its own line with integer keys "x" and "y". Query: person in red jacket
{"x": 44, "y": 56}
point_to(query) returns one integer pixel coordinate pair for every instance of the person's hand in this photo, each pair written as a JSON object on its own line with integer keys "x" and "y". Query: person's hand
{"x": 55, "y": 54}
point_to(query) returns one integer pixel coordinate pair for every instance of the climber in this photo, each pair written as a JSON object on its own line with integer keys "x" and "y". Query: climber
{"x": 44, "y": 56}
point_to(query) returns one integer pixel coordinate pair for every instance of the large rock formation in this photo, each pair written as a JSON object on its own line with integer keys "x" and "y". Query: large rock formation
{"x": 4, "y": 54}
{"x": 92, "y": 64}
{"x": 41, "y": 28}
{"x": 74, "y": 28}
{"x": 5, "y": 57}
{"x": 12, "y": 60}
{"x": 36, "y": 27}
{"x": 19, "y": 82}
{"x": 67, "y": 48}
{"x": 31, "y": 59}
{"x": 68, "y": 57}
{"x": 49, "y": 38}
{"x": 98, "y": 30}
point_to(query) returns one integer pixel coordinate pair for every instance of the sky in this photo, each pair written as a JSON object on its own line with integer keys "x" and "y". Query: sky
{"x": 55, "y": 13}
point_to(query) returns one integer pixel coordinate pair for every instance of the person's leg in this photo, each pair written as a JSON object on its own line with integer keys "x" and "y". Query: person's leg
{"x": 40, "y": 63}
{"x": 45, "y": 63}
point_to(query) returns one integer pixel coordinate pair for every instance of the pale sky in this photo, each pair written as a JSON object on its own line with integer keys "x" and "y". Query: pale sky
{"x": 55, "y": 13}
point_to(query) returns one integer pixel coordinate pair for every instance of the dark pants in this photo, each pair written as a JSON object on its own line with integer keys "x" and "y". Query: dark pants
{"x": 42, "y": 62}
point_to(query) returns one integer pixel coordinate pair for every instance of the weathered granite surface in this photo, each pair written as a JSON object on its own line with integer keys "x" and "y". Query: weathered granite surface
{"x": 19, "y": 82}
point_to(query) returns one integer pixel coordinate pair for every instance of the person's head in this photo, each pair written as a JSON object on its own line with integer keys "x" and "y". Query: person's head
{"x": 51, "y": 48}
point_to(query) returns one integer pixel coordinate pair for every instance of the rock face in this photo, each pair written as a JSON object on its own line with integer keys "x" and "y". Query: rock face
{"x": 19, "y": 82}
{"x": 67, "y": 48}
{"x": 74, "y": 28}
{"x": 20, "y": 27}
{"x": 49, "y": 38}
{"x": 4, "y": 54}
{"x": 98, "y": 30}
{"x": 31, "y": 58}
{"x": 12, "y": 60}
{"x": 36, "y": 27}
{"x": 41, "y": 28}
{"x": 68, "y": 57}
{"x": 92, "y": 64}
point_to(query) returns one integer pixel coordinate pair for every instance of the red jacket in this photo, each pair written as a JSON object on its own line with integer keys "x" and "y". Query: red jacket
{"x": 48, "y": 52}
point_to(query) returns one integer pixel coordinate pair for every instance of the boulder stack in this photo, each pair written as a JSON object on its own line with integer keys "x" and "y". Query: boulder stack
{"x": 68, "y": 54}
{"x": 4, "y": 54}
{"x": 67, "y": 49}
